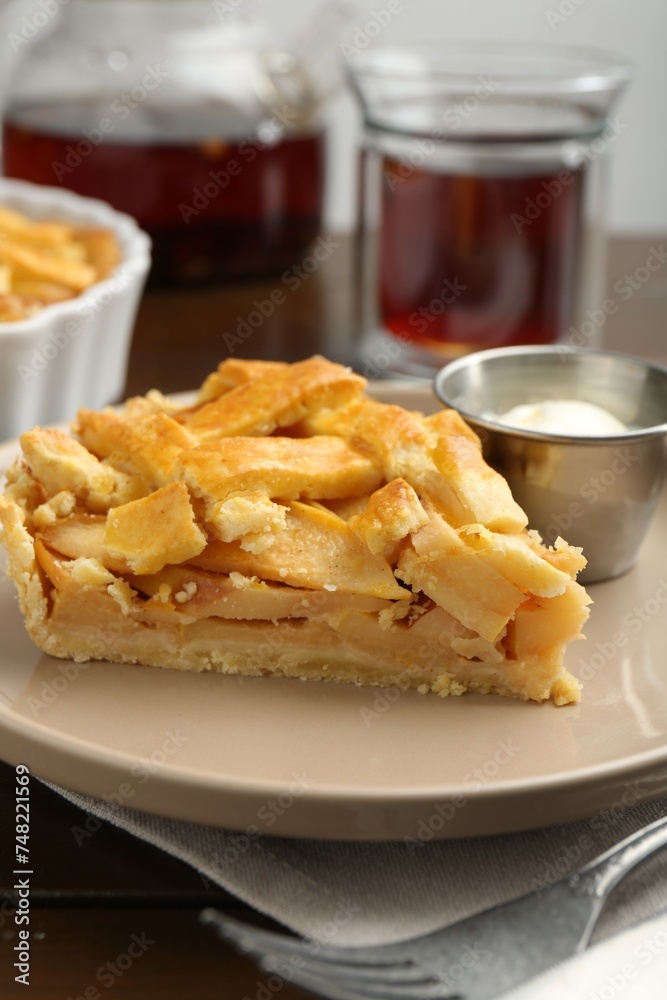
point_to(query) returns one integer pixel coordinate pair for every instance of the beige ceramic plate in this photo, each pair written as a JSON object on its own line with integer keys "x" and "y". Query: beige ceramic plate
{"x": 321, "y": 760}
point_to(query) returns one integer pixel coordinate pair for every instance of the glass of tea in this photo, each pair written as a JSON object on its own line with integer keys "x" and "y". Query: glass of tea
{"x": 480, "y": 197}
{"x": 193, "y": 116}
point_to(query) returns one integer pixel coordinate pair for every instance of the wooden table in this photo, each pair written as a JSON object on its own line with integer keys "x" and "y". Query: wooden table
{"x": 183, "y": 335}
{"x": 87, "y": 901}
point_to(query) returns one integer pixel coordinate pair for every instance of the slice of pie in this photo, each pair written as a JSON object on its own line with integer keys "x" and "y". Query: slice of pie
{"x": 287, "y": 524}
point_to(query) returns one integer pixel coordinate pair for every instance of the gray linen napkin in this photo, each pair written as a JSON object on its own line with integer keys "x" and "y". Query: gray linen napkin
{"x": 356, "y": 893}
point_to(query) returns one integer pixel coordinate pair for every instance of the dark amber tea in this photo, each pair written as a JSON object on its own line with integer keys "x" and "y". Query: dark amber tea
{"x": 469, "y": 262}
{"x": 481, "y": 197}
{"x": 215, "y": 209}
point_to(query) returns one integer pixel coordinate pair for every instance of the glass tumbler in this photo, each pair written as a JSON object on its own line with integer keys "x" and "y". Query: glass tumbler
{"x": 481, "y": 198}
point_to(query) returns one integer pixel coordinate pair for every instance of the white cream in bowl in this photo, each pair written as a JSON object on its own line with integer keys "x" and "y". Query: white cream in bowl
{"x": 572, "y": 417}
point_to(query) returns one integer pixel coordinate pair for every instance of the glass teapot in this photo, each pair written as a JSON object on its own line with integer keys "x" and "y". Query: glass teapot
{"x": 193, "y": 116}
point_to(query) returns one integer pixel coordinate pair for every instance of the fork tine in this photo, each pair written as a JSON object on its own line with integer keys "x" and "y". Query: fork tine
{"x": 254, "y": 940}
{"x": 424, "y": 989}
{"x": 341, "y": 991}
{"x": 396, "y": 972}
{"x": 365, "y": 979}
{"x": 324, "y": 989}
{"x": 257, "y": 941}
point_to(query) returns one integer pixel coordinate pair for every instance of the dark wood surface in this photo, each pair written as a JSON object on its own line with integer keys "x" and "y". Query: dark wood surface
{"x": 89, "y": 899}
{"x": 182, "y": 335}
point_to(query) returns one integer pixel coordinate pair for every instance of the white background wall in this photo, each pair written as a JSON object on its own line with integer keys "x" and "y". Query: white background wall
{"x": 636, "y": 29}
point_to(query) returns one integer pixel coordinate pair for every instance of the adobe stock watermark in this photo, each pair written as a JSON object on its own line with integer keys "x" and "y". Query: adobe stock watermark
{"x": 590, "y": 492}
{"x": 554, "y": 188}
{"x": 568, "y": 859}
{"x": 34, "y": 22}
{"x": 141, "y": 772}
{"x": 450, "y": 977}
{"x": 625, "y": 288}
{"x": 454, "y": 118}
{"x": 226, "y": 7}
{"x": 117, "y": 967}
{"x": 387, "y": 355}
{"x": 450, "y": 291}
{"x": 267, "y": 136}
{"x": 236, "y": 845}
{"x": 643, "y": 954}
{"x": 57, "y": 341}
{"x": 382, "y": 702}
{"x": 282, "y": 970}
{"x": 366, "y": 32}
{"x": 120, "y": 110}
{"x": 631, "y": 624}
{"x": 444, "y": 812}
{"x": 572, "y": 856}
{"x": 563, "y": 12}
{"x": 51, "y": 690}
{"x": 421, "y": 320}
{"x": 633, "y": 793}
{"x": 383, "y": 699}
{"x": 68, "y": 672}
{"x": 292, "y": 280}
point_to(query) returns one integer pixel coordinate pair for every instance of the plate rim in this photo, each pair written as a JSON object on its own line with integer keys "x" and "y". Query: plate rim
{"x": 249, "y": 791}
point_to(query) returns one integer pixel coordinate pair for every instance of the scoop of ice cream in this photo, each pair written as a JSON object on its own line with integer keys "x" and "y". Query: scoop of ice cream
{"x": 573, "y": 417}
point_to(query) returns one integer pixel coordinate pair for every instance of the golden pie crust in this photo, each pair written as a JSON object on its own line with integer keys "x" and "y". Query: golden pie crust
{"x": 287, "y": 524}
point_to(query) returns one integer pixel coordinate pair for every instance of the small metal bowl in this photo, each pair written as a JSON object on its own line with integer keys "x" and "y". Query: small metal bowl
{"x": 596, "y": 492}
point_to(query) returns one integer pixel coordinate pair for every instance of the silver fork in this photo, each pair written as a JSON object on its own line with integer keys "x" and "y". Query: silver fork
{"x": 479, "y": 958}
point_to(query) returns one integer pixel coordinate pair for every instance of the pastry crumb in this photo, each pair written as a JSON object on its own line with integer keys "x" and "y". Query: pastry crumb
{"x": 122, "y": 594}
{"x": 257, "y": 542}
{"x": 241, "y": 582}
{"x": 91, "y": 573}
{"x": 59, "y": 506}
{"x": 187, "y": 593}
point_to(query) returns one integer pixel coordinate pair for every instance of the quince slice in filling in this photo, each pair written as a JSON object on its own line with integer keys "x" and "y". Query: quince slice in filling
{"x": 285, "y": 523}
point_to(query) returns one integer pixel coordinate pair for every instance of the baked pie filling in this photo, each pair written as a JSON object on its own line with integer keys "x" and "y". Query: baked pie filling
{"x": 287, "y": 524}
